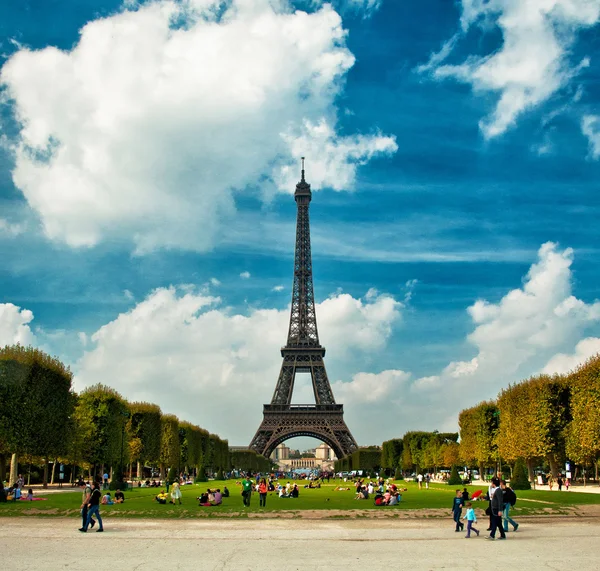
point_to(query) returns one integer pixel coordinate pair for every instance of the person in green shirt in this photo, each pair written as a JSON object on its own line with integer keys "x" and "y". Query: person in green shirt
{"x": 247, "y": 491}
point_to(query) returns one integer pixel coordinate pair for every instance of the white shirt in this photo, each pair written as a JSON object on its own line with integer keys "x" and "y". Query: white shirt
{"x": 420, "y": 477}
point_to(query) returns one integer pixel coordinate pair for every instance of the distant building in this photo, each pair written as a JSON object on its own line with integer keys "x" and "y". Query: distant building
{"x": 323, "y": 460}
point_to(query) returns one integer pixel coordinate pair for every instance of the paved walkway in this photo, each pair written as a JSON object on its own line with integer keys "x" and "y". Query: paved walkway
{"x": 281, "y": 545}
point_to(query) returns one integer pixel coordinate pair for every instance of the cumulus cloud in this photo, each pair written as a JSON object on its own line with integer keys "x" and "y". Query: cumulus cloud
{"x": 184, "y": 351}
{"x": 245, "y": 275}
{"x": 14, "y": 325}
{"x": 9, "y": 229}
{"x": 148, "y": 127}
{"x": 535, "y": 58}
{"x": 512, "y": 338}
{"x": 369, "y": 387}
{"x": 278, "y": 288}
{"x": 563, "y": 362}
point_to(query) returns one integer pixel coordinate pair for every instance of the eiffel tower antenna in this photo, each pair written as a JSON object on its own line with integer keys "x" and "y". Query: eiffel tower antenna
{"x": 303, "y": 353}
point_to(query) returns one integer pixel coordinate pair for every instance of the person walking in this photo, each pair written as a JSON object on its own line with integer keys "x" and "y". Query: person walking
{"x": 262, "y": 490}
{"x": 457, "y": 510}
{"x": 247, "y": 491}
{"x": 86, "y": 492}
{"x": 94, "y": 509}
{"x": 420, "y": 480}
{"x": 471, "y": 519}
{"x": 497, "y": 506}
{"x": 427, "y": 480}
{"x": 510, "y": 499}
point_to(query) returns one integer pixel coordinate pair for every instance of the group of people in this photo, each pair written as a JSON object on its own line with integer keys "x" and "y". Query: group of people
{"x": 501, "y": 498}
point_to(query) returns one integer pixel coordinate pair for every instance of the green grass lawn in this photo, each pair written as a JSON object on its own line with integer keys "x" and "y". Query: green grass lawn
{"x": 139, "y": 502}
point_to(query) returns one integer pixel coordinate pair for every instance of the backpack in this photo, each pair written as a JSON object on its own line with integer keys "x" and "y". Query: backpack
{"x": 511, "y": 497}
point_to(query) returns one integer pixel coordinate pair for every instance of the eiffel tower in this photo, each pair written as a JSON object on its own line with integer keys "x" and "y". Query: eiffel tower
{"x": 303, "y": 354}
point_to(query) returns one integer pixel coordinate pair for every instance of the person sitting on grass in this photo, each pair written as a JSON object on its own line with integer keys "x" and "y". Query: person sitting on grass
{"x": 119, "y": 497}
{"x": 29, "y": 497}
{"x": 217, "y": 499}
{"x": 394, "y": 499}
{"x": 162, "y": 497}
{"x": 282, "y": 493}
{"x": 295, "y": 492}
{"x": 204, "y": 499}
{"x": 225, "y": 492}
{"x": 107, "y": 500}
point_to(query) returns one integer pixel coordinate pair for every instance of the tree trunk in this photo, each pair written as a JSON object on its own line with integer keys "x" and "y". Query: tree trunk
{"x": 553, "y": 466}
{"x": 29, "y": 476}
{"x": 45, "y": 480}
{"x": 162, "y": 471}
{"x": 139, "y": 473}
{"x": 14, "y": 469}
{"x": 2, "y": 468}
{"x": 530, "y": 473}
{"x": 53, "y": 472}
{"x": 73, "y": 470}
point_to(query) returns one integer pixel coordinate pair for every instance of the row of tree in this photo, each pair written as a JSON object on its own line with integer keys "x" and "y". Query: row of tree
{"x": 543, "y": 420}
{"x": 42, "y": 417}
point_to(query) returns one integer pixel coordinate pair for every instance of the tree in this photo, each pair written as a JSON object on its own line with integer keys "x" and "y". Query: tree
{"x": 520, "y": 480}
{"x": 100, "y": 415}
{"x": 145, "y": 429}
{"x": 36, "y": 403}
{"x": 455, "y": 479}
{"x": 391, "y": 454}
{"x": 169, "y": 443}
{"x": 583, "y": 435}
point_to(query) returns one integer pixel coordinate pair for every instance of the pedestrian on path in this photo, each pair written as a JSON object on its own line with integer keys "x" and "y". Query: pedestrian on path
{"x": 471, "y": 519}
{"x": 497, "y": 506}
{"x": 94, "y": 509}
{"x": 86, "y": 492}
{"x": 510, "y": 499}
{"x": 457, "y": 510}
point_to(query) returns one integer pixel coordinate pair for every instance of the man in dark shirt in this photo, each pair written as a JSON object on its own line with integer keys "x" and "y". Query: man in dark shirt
{"x": 119, "y": 497}
{"x": 497, "y": 506}
{"x": 247, "y": 491}
{"x": 94, "y": 509}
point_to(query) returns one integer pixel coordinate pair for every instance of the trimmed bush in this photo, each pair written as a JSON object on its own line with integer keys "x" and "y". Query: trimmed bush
{"x": 398, "y": 475}
{"x": 220, "y": 475}
{"x": 520, "y": 479}
{"x": 455, "y": 479}
{"x": 201, "y": 477}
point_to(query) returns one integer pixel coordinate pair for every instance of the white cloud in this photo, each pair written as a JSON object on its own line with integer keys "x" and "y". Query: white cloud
{"x": 333, "y": 160}
{"x": 245, "y": 275}
{"x": 590, "y": 126}
{"x": 369, "y": 387}
{"x": 215, "y": 282}
{"x": 145, "y": 131}
{"x": 512, "y": 338}
{"x": 14, "y": 325}
{"x": 534, "y": 61}
{"x": 563, "y": 363}
{"x": 278, "y": 288}
{"x": 182, "y": 350}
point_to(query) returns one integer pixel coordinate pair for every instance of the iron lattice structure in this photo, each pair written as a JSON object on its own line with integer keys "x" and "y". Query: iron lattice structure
{"x": 303, "y": 353}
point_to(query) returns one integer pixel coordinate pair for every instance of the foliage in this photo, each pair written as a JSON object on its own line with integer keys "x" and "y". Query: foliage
{"x": 367, "y": 459}
{"x": 455, "y": 479}
{"x": 583, "y": 436}
{"x": 145, "y": 430}
{"x": 172, "y": 475}
{"x": 391, "y": 453}
{"x": 520, "y": 480}
{"x": 36, "y": 402}
{"x": 169, "y": 441}
{"x": 478, "y": 434}
{"x": 201, "y": 476}
{"x": 533, "y": 418}
{"x": 249, "y": 461}
{"x": 100, "y": 419}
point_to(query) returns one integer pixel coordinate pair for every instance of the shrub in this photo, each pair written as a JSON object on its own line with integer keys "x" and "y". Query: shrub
{"x": 455, "y": 479}
{"x": 520, "y": 479}
{"x": 201, "y": 476}
{"x": 398, "y": 475}
{"x": 172, "y": 476}
{"x": 220, "y": 475}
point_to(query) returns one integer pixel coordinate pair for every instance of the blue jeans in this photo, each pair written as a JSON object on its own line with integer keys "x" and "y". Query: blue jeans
{"x": 507, "y": 519}
{"x": 93, "y": 510}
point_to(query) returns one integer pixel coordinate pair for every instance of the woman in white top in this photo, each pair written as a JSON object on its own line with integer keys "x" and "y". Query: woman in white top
{"x": 176, "y": 492}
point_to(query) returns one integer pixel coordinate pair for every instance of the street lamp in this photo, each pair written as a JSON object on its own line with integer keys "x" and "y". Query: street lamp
{"x": 126, "y": 415}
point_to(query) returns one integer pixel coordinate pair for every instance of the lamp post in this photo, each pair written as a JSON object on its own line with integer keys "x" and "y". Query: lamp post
{"x": 126, "y": 415}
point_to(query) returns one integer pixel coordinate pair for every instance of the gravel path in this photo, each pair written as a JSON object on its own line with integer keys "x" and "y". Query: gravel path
{"x": 265, "y": 545}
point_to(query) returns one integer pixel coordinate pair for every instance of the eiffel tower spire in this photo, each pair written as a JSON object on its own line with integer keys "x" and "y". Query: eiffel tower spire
{"x": 303, "y": 353}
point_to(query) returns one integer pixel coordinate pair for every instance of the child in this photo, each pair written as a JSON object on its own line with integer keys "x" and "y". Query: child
{"x": 30, "y": 495}
{"x": 457, "y": 510}
{"x": 471, "y": 519}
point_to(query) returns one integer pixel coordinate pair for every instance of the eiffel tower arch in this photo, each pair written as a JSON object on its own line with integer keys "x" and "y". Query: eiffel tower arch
{"x": 303, "y": 353}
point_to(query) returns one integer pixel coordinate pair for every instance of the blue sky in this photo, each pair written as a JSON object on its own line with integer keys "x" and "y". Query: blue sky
{"x": 148, "y": 155}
